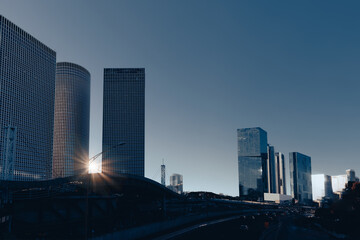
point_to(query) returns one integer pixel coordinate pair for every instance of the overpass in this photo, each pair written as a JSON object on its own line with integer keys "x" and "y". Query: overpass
{"x": 97, "y": 205}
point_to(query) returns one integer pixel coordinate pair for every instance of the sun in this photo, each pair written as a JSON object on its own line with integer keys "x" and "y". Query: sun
{"x": 94, "y": 167}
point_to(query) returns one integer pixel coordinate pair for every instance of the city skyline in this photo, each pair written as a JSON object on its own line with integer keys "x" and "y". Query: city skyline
{"x": 317, "y": 109}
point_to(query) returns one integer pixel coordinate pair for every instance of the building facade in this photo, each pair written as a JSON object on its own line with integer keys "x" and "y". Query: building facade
{"x": 350, "y": 173}
{"x": 280, "y": 173}
{"x": 71, "y": 120}
{"x": 252, "y": 162}
{"x": 176, "y": 183}
{"x": 321, "y": 186}
{"x": 124, "y": 121}
{"x": 271, "y": 170}
{"x": 300, "y": 177}
{"x": 27, "y": 93}
{"x": 339, "y": 182}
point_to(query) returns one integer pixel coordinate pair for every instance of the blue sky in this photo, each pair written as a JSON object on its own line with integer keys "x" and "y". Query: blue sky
{"x": 290, "y": 67}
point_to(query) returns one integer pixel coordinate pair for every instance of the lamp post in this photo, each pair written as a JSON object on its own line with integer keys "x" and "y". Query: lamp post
{"x": 91, "y": 160}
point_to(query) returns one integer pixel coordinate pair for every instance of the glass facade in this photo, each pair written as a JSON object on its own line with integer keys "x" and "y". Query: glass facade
{"x": 252, "y": 166}
{"x": 339, "y": 182}
{"x": 271, "y": 170}
{"x": 280, "y": 172}
{"x": 300, "y": 177}
{"x": 27, "y": 93}
{"x": 321, "y": 186}
{"x": 71, "y": 121}
{"x": 124, "y": 121}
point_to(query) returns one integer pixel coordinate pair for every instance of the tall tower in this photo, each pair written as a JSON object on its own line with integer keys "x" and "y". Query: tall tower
{"x": 163, "y": 182}
{"x": 27, "y": 93}
{"x": 300, "y": 177}
{"x": 280, "y": 173}
{"x": 124, "y": 120}
{"x": 271, "y": 170}
{"x": 71, "y": 121}
{"x": 252, "y": 163}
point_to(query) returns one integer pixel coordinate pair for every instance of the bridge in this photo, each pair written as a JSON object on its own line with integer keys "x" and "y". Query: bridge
{"x": 100, "y": 206}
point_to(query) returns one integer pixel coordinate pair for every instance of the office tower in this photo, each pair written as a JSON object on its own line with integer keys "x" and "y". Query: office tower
{"x": 124, "y": 120}
{"x": 271, "y": 170}
{"x": 71, "y": 121}
{"x": 163, "y": 182}
{"x": 321, "y": 186}
{"x": 300, "y": 177}
{"x": 27, "y": 90}
{"x": 176, "y": 183}
{"x": 339, "y": 183}
{"x": 280, "y": 172}
{"x": 350, "y": 173}
{"x": 252, "y": 166}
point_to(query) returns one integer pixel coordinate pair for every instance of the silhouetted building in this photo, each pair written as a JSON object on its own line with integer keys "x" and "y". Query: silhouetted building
{"x": 176, "y": 183}
{"x": 300, "y": 177}
{"x": 163, "y": 180}
{"x": 71, "y": 121}
{"x": 124, "y": 120}
{"x": 252, "y": 162}
{"x": 321, "y": 186}
{"x": 350, "y": 173}
{"x": 27, "y": 93}
{"x": 271, "y": 170}
{"x": 280, "y": 173}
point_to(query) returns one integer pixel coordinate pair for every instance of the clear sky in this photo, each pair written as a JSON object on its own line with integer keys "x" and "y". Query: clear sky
{"x": 290, "y": 67}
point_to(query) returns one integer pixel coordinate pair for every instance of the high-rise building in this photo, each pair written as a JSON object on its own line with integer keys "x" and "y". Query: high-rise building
{"x": 124, "y": 121}
{"x": 27, "y": 93}
{"x": 321, "y": 186}
{"x": 350, "y": 173}
{"x": 71, "y": 121}
{"x": 339, "y": 183}
{"x": 271, "y": 170}
{"x": 163, "y": 181}
{"x": 280, "y": 173}
{"x": 176, "y": 183}
{"x": 300, "y": 177}
{"x": 252, "y": 162}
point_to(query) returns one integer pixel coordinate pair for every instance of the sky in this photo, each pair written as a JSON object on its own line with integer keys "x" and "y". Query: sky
{"x": 289, "y": 67}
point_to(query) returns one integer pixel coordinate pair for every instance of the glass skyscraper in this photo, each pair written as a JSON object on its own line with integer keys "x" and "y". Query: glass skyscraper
{"x": 300, "y": 177}
{"x": 252, "y": 162}
{"x": 124, "y": 121}
{"x": 27, "y": 89}
{"x": 271, "y": 170}
{"x": 71, "y": 121}
{"x": 280, "y": 173}
{"x": 321, "y": 186}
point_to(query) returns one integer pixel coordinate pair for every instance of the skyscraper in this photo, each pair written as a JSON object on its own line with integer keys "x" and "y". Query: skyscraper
{"x": 271, "y": 170}
{"x": 321, "y": 186}
{"x": 280, "y": 173}
{"x": 27, "y": 89}
{"x": 300, "y": 177}
{"x": 124, "y": 120}
{"x": 163, "y": 181}
{"x": 176, "y": 183}
{"x": 71, "y": 121}
{"x": 252, "y": 162}
{"x": 350, "y": 173}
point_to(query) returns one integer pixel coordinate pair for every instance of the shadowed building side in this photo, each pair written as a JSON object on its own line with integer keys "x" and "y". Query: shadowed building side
{"x": 27, "y": 90}
{"x": 252, "y": 163}
{"x": 71, "y": 121}
{"x": 300, "y": 177}
{"x": 124, "y": 121}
